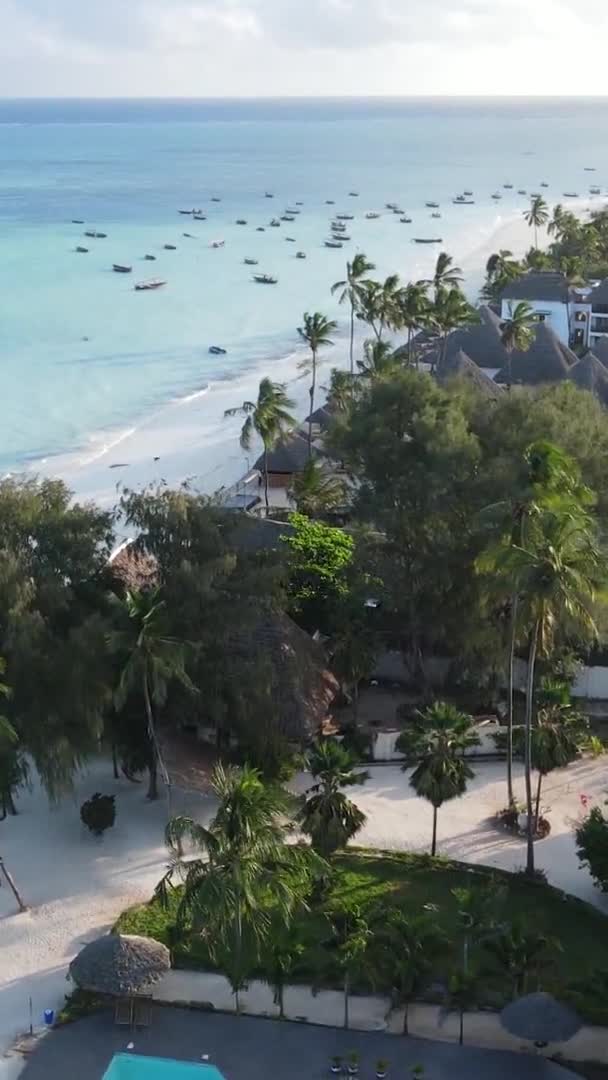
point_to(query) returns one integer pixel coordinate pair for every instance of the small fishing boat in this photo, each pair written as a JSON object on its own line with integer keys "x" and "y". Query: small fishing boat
{"x": 397, "y": 210}
{"x": 290, "y": 239}
{"x": 461, "y": 201}
{"x": 216, "y": 350}
{"x": 82, "y": 250}
{"x": 570, "y": 194}
{"x": 241, "y": 221}
{"x": 260, "y": 228}
{"x": 77, "y": 221}
{"x": 299, "y": 203}
{"x": 436, "y": 214}
{"x": 199, "y": 217}
{"x": 250, "y": 262}
{"x": 148, "y": 286}
{"x": 535, "y": 194}
{"x": 589, "y": 168}
{"x": 287, "y": 217}
{"x": 522, "y": 191}
{"x": 427, "y": 240}
{"x": 185, "y": 211}
{"x": 169, "y": 247}
{"x": 354, "y": 194}
{"x": 340, "y": 236}
{"x": 390, "y": 205}
{"x": 274, "y": 224}
{"x": 189, "y": 236}
{"x": 508, "y": 187}
{"x": 118, "y": 268}
{"x": 333, "y": 243}
{"x": 300, "y": 254}
{"x": 292, "y": 212}
{"x": 431, "y": 205}
{"x": 150, "y": 258}
{"x": 268, "y": 195}
{"x": 544, "y": 183}
{"x": 405, "y": 220}
{"x": 594, "y": 190}
{"x": 497, "y": 195}
{"x": 217, "y": 244}
{"x": 214, "y": 198}
{"x": 265, "y": 279}
{"x": 467, "y": 193}
{"x": 338, "y": 226}
{"x": 345, "y": 217}
{"x": 329, "y": 202}
{"x": 372, "y": 215}
{"x": 96, "y": 235}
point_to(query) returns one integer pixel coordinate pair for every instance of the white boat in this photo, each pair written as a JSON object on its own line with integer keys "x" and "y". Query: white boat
{"x": 148, "y": 286}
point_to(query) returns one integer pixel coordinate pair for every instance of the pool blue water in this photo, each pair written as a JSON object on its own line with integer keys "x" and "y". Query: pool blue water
{"x": 138, "y": 1067}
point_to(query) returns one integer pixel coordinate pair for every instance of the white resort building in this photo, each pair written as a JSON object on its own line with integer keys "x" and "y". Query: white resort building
{"x": 577, "y": 314}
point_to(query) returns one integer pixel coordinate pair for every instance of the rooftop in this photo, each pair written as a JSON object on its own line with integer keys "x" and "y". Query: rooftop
{"x": 546, "y": 285}
{"x": 289, "y": 455}
{"x": 251, "y": 1048}
{"x": 547, "y": 360}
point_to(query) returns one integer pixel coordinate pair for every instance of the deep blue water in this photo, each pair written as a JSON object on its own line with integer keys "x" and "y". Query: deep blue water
{"x": 126, "y": 167}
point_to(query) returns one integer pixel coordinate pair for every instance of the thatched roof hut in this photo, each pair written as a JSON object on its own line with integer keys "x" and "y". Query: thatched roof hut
{"x": 540, "y": 1018}
{"x": 120, "y": 964}
{"x": 600, "y": 350}
{"x": 549, "y": 285}
{"x": 288, "y": 457}
{"x": 589, "y": 374}
{"x": 546, "y": 361}
{"x": 460, "y": 366}
{"x": 481, "y": 342}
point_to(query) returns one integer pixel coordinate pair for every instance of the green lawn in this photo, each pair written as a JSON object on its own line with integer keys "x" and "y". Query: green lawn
{"x": 411, "y": 882}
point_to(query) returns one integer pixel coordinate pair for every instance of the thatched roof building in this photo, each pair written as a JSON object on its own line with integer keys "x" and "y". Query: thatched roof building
{"x": 288, "y": 457}
{"x": 460, "y": 366}
{"x": 546, "y": 361}
{"x": 540, "y": 1018}
{"x": 481, "y": 342}
{"x": 120, "y": 964}
{"x": 600, "y": 350}
{"x": 548, "y": 285}
{"x": 589, "y": 374}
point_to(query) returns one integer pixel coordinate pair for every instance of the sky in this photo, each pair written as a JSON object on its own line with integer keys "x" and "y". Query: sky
{"x": 252, "y": 48}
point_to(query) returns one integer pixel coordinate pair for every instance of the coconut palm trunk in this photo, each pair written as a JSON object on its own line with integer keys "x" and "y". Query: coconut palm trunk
{"x": 346, "y": 994}
{"x": 511, "y": 693}
{"x": 434, "y": 840}
{"x": 153, "y": 766}
{"x": 312, "y": 391}
{"x": 266, "y": 479}
{"x": 406, "y": 1010}
{"x": 352, "y": 339}
{"x": 537, "y": 810}
{"x": 528, "y": 746}
{"x": 4, "y": 872}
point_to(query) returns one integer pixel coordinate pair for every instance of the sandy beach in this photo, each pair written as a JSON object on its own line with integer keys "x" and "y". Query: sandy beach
{"x": 188, "y": 440}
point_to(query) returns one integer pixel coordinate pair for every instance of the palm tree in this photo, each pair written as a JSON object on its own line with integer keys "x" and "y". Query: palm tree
{"x": 408, "y": 946}
{"x": 378, "y": 304}
{"x": 350, "y": 290}
{"x": 501, "y": 268}
{"x": 315, "y": 332}
{"x": 517, "y": 332}
{"x": 557, "y": 737}
{"x": 151, "y": 659}
{"x": 556, "y": 224}
{"x": 438, "y": 739}
{"x": 451, "y": 310}
{"x": 327, "y": 815}
{"x": 353, "y": 656}
{"x": 537, "y": 215}
{"x": 352, "y": 938}
{"x": 547, "y": 477}
{"x": 280, "y": 961}
{"x": 341, "y": 390}
{"x": 379, "y": 359}
{"x": 414, "y": 310}
{"x": 315, "y": 491}
{"x": 268, "y": 417}
{"x": 246, "y": 875}
{"x": 446, "y": 275}
{"x": 519, "y": 950}
{"x": 555, "y": 574}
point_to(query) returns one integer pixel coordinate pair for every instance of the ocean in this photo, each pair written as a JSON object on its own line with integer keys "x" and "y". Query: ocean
{"x": 87, "y": 362}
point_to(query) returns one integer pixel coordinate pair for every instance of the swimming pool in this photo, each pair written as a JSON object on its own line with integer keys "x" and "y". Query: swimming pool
{"x": 139, "y": 1067}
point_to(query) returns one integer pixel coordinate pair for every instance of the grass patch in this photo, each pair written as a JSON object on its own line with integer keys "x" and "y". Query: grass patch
{"x": 412, "y": 882}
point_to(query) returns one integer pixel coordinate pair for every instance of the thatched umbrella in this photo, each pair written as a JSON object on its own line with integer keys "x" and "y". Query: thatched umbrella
{"x": 120, "y": 964}
{"x": 540, "y": 1018}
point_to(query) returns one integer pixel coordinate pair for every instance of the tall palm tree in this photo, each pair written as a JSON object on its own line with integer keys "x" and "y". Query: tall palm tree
{"x": 350, "y": 291}
{"x": 451, "y": 310}
{"x": 558, "y": 735}
{"x": 378, "y": 304}
{"x": 246, "y": 874}
{"x": 555, "y": 573}
{"x": 537, "y": 215}
{"x": 437, "y": 740}
{"x": 517, "y": 951}
{"x": 327, "y": 816}
{"x": 414, "y": 311}
{"x": 517, "y": 332}
{"x": 268, "y": 417}
{"x": 446, "y": 275}
{"x": 316, "y": 333}
{"x": 352, "y": 938}
{"x": 378, "y": 359}
{"x": 546, "y": 477}
{"x": 408, "y": 945}
{"x": 501, "y": 268}
{"x": 150, "y": 660}
{"x": 556, "y": 224}
{"x": 315, "y": 491}
{"x": 341, "y": 391}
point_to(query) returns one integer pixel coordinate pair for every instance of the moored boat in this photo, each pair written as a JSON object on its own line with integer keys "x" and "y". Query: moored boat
{"x": 150, "y": 258}
{"x": 268, "y": 195}
{"x": 354, "y": 194}
{"x": 265, "y": 279}
{"x": 290, "y": 239}
{"x": 170, "y": 247}
{"x": 372, "y": 215}
{"x": 250, "y": 262}
{"x": 287, "y": 217}
{"x": 507, "y": 186}
{"x": 82, "y": 250}
{"x": 436, "y": 214}
{"x": 405, "y": 220}
{"x": 544, "y": 183}
{"x": 148, "y": 286}
{"x": 214, "y": 198}
{"x": 461, "y": 201}
{"x": 119, "y": 268}
{"x": 217, "y": 350}
{"x": 497, "y": 195}
{"x": 274, "y": 224}
{"x": 594, "y": 190}
{"x": 427, "y": 240}
{"x": 77, "y": 221}
{"x": 260, "y": 228}
{"x": 199, "y": 217}
{"x": 96, "y": 235}
{"x": 467, "y": 193}
{"x": 345, "y": 217}
{"x": 431, "y": 205}
{"x": 300, "y": 254}
{"x": 241, "y": 221}
{"x": 570, "y": 194}
{"x": 217, "y": 244}
{"x": 522, "y": 191}
{"x": 333, "y": 243}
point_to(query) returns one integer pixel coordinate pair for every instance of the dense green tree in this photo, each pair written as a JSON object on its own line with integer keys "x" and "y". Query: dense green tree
{"x": 378, "y": 359}
{"x": 408, "y": 947}
{"x": 517, "y": 952}
{"x": 268, "y": 417}
{"x": 592, "y": 845}
{"x": 327, "y": 816}
{"x": 318, "y": 557}
{"x": 350, "y": 292}
{"x": 414, "y": 313}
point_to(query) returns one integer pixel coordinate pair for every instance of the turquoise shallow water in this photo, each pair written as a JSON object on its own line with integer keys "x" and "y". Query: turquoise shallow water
{"x": 138, "y": 1067}
{"x": 127, "y": 167}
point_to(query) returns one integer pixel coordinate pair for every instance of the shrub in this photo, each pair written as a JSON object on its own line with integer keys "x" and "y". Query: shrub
{"x": 98, "y": 813}
{"x": 592, "y": 846}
